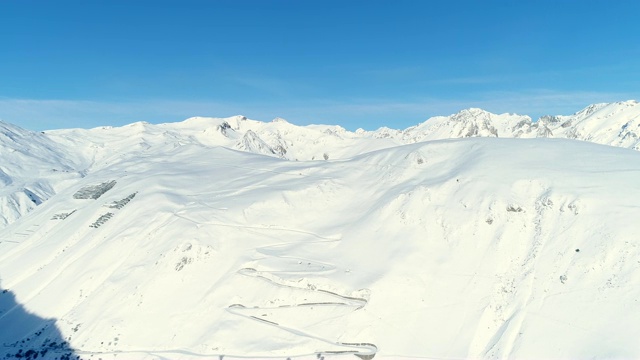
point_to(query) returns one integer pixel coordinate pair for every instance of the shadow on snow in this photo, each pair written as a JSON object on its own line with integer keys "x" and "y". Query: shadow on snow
{"x": 24, "y": 335}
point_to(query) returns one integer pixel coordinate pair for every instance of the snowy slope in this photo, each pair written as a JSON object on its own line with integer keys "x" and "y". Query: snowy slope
{"x": 481, "y": 248}
{"x": 183, "y": 240}
{"x": 616, "y": 124}
{"x": 65, "y": 155}
{"x": 32, "y": 169}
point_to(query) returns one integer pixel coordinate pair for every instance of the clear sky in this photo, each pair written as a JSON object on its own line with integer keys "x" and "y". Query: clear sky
{"x": 354, "y": 63}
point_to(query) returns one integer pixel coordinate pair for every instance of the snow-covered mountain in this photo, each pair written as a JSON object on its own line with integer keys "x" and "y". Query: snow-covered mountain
{"x": 616, "y": 124}
{"x": 32, "y": 169}
{"x": 65, "y": 155}
{"x": 185, "y": 241}
{"x": 610, "y": 124}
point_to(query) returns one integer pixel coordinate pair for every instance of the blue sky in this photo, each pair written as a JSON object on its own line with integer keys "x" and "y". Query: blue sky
{"x": 354, "y": 63}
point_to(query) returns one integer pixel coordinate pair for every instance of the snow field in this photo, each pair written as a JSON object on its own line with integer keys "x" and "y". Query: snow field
{"x": 449, "y": 249}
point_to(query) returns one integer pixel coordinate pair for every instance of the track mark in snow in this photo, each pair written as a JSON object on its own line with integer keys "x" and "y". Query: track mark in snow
{"x": 361, "y": 350}
{"x": 267, "y": 228}
{"x": 289, "y": 265}
{"x": 357, "y": 302}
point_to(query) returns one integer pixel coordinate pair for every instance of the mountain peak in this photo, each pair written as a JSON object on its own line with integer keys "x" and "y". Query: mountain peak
{"x": 474, "y": 110}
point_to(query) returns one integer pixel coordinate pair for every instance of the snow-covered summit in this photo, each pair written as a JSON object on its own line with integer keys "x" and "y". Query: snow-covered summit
{"x": 616, "y": 124}
{"x": 610, "y": 124}
{"x": 471, "y": 122}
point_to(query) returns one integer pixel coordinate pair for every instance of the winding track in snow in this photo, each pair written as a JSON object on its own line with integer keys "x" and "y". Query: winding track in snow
{"x": 362, "y": 350}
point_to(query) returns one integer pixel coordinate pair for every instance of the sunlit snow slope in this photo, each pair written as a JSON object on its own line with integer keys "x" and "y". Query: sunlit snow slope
{"x": 35, "y": 166}
{"x": 480, "y": 248}
{"x": 32, "y": 169}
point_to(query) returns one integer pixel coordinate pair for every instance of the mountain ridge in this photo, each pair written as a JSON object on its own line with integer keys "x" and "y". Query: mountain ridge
{"x": 80, "y": 151}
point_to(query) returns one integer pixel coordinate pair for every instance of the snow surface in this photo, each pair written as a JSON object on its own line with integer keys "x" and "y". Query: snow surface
{"x": 32, "y": 169}
{"x": 36, "y": 165}
{"x": 185, "y": 241}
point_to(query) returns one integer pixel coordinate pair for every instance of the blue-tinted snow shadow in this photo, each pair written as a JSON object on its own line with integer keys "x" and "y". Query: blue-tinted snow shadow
{"x": 24, "y": 335}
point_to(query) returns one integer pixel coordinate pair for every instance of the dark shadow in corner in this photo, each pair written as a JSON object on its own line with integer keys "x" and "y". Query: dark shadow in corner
{"x": 26, "y": 336}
